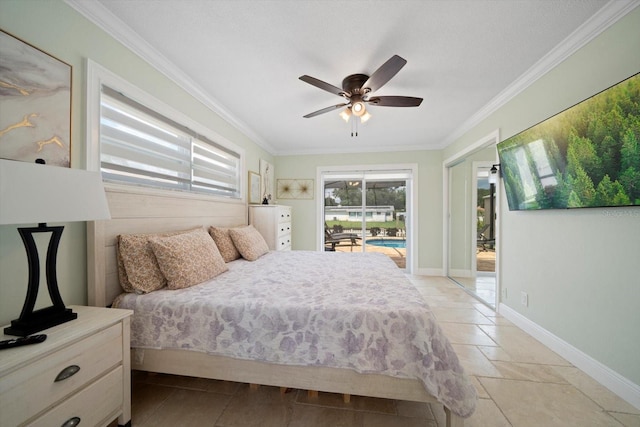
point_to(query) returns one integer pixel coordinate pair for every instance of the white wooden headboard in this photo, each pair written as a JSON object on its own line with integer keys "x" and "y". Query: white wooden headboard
{"x": 135, "y": 210}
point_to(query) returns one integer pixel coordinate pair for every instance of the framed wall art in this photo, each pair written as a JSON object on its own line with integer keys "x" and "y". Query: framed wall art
{"x": 295, "y": 189}
{"x": 35, "y": 100}
{"x": 254, "y": 188}
{"x": 266, "y": 181}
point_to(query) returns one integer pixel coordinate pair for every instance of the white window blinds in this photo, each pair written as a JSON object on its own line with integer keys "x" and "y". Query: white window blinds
{"x": 140, "y": 146}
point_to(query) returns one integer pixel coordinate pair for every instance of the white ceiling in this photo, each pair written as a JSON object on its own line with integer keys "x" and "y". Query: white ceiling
{"x": 243, "y": 59}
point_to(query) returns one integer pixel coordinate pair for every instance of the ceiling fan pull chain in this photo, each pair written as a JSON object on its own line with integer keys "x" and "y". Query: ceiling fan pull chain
{"x": 351, "y": 120}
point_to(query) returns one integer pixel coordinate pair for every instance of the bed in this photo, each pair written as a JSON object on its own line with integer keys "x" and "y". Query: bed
{"x": 320, "y": 342}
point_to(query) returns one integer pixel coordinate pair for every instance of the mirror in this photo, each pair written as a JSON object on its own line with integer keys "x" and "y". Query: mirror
{"x": 472, "y": 224}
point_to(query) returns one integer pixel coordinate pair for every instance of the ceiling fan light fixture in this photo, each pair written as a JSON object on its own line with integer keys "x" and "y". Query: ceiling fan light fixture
{"x": 358, "y": 108}
{"x": 366, "y": 116}
{"x": 346, "y": 114}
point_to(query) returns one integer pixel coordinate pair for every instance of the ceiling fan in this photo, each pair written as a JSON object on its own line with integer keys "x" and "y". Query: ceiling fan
{"x": 356, "y": 90}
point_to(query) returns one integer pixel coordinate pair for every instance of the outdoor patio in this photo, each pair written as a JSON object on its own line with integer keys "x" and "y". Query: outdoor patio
{"x": 398, "y": 255}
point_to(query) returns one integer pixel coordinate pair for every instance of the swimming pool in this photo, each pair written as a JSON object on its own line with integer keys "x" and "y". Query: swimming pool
{"x": 388, "y": 243}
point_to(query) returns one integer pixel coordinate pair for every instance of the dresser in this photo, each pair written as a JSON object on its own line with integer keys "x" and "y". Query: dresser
{"x": 274, "y": 223}
{"x": 81, "y": 374}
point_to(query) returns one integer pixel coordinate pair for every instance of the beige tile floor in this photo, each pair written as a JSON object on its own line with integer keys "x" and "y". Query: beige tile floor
{"x": 520, "y": 383}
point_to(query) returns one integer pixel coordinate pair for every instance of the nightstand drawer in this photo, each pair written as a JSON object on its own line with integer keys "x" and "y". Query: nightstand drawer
{"x": 33, "y": 388}
{"x": 91, "y": 406}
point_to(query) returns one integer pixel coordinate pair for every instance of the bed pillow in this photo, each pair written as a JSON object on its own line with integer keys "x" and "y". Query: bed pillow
{"x": 138, "y": 270}
{"x": 224, "y": 243}
{"x": 188, "y": 259}
{"x": 249, "y": 242}
{"x": 122, "y": 273}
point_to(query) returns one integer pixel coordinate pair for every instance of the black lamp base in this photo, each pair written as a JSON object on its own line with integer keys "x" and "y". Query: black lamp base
{"x": 40, "y": 320}
{"x": 31, "y": 320}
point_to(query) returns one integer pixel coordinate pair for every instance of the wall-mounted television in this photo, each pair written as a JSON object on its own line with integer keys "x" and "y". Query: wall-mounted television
{"x": 585, "y": 156}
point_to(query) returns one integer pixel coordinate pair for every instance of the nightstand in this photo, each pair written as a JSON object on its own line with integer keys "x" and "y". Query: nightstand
{"x": 80, "y": 374}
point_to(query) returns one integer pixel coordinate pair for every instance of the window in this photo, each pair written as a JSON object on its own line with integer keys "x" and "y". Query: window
{"x": 142, "y": 141}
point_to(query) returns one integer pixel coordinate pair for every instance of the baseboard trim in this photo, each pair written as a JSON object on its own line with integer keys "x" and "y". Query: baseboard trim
{"x": 615, "y": 382}
{"x": 428, "y": 272}
{"x": 460, "y": 273}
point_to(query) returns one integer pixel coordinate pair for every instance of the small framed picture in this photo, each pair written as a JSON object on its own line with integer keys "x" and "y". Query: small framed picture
{"x": 254, "y": 188}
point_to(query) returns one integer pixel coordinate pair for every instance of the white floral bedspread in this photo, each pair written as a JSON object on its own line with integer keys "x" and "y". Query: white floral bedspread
{"x": 345, "y": 310}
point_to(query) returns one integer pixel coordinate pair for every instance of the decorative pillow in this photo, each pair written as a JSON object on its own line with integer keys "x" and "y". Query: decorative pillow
{"x": 249, "y": 242}
{"x": 188, "y": 259}
{"x": 138, "y": 269}
{"x": 224, "y": 243}
{"x": 122, "y": 273}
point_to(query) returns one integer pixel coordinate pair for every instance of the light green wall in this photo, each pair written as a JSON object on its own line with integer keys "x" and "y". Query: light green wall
{"x": 429, "y": 215}
{"x": 58, "y": 30}
{"x": 578, "y": 267}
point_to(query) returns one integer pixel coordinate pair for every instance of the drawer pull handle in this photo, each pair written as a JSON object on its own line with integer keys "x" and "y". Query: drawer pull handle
{"x": 67, "y": 372}
{"x": 71, "y": 422}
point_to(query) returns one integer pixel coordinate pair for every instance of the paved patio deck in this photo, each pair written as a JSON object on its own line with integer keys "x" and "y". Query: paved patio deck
{"x": 398, "y": 255}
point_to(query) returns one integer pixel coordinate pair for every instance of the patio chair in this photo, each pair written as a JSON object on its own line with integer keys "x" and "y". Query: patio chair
{"x": 331, "y": 239}
{"x": 483, "y": 240}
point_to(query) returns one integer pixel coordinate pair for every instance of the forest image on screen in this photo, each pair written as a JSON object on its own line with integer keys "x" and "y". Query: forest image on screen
{"x": 585, "y": 156}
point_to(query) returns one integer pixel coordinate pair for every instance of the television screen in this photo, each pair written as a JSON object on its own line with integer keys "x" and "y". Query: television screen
{"x": 585, "y": 156}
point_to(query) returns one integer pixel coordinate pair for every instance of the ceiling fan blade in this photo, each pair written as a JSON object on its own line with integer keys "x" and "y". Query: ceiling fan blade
{"x": 383, "y": 74}
{"x": 324, "y": 110}
{"x": 395, "y": 101}
{"x": 322, "y": 85}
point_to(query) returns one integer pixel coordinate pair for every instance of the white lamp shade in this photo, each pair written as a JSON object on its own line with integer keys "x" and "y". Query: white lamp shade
{"x": 36, "y": 193}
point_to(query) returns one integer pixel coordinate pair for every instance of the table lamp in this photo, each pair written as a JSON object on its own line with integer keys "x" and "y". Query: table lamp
{"x": 39, "y": 193}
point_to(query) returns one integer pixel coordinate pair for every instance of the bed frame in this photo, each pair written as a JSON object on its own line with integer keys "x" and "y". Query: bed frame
{"x": 144, "y": 211}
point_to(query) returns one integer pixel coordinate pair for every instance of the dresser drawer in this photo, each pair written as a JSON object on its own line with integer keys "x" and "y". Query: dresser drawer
{"x": 33, "y": 388}
{"x": 284, "y": 242}
{"x": 91, "y": 405}
{"x": 284, "y": 214}
{"x": 284, "y": 228}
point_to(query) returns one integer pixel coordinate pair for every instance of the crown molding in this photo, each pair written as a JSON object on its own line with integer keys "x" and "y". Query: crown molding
{"x": 353, "y": 150}
{"x": 603, "y": 19}
{"x": 104, "y": 19}
{"x": 113, "y": 26}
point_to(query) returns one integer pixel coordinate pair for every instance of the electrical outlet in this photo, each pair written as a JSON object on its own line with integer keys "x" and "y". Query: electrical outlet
{"x": 524, "y": 299}
{"x": 504, "y": 293}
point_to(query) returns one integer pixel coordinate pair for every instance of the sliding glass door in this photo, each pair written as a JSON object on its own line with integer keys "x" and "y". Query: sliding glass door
{"x": 367, "y": 211}
{"x": 472, "y": 224}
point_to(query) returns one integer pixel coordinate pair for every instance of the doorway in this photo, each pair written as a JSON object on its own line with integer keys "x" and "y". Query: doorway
{"x": 484, "y": 200}
{"x": 368, "y": 211}
{"x": 471, "y": 221}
